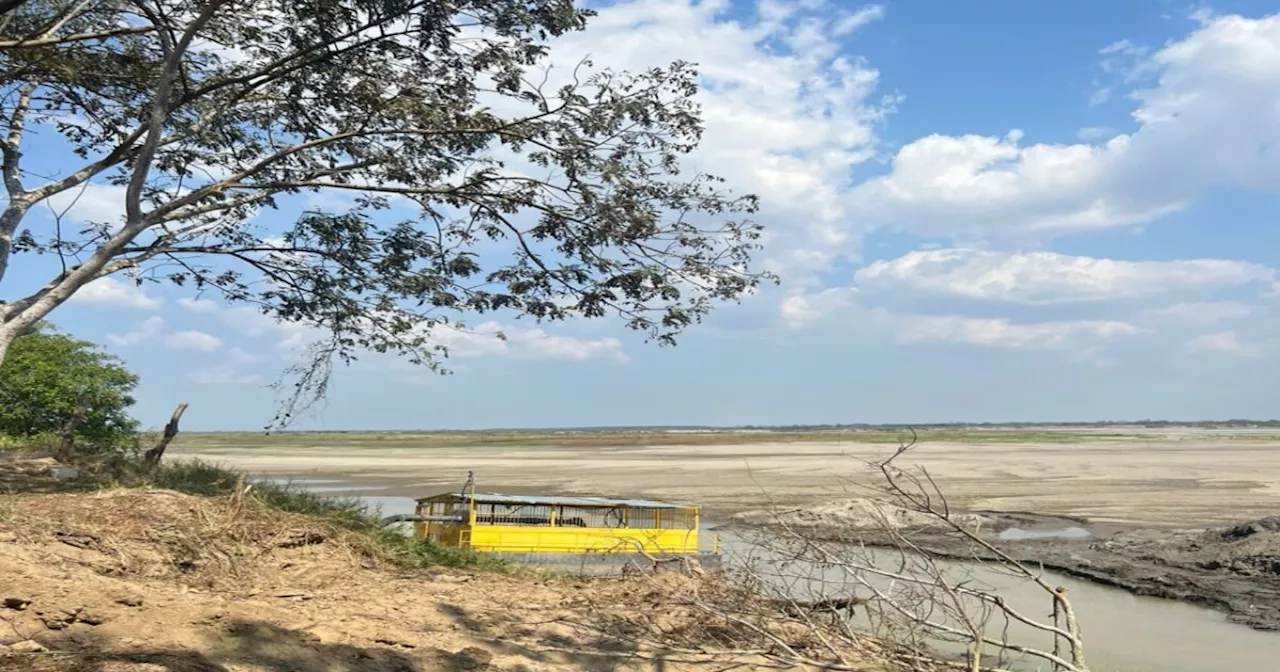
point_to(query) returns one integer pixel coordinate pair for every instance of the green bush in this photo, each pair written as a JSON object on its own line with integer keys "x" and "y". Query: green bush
{"x": 48, "y": 378}
{"x": 40, "y": 443}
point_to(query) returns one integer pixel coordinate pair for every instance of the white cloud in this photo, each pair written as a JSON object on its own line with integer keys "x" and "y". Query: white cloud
{"x": 1121, "y": 63}
{"x": 799, "y": 309}
{"x": 193, "y": 340}
{"x": 1224, "y": 342}
{"x": 198, "y": 305}
{"x": 1047, "y": 277}
{"x": 222, "y": 375}
{"x": 91, "y": 202}
{"x": 855, "y": 20}
{"x": 523, "y": 343}
{"x": 146, "y": 330}
{"x": 787, "y": 114}
{"x": 1206, "y": 118}
{"x": 111, "y": 291}
{"x": 537, "y": 343}
{"x": 1201, "y": 313}
{"x": 1002, "y": 333}
{"x": 483, "y": 340}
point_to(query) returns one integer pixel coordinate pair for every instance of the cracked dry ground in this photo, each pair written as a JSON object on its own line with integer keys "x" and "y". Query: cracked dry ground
{"x": 152, "y": 581}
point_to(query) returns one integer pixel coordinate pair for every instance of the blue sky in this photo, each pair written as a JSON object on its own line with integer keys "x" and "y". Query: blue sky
{"x": 980, "y": 211}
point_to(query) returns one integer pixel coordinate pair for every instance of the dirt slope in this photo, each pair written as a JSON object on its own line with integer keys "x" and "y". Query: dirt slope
{"x": 146, "y": 581}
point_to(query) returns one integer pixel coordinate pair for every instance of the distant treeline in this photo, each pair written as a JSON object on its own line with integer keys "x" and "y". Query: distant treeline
{"x": 1234, "y": 423}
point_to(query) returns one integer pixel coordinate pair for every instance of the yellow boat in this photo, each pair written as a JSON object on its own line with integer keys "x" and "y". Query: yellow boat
{"x": 556, "y": 525}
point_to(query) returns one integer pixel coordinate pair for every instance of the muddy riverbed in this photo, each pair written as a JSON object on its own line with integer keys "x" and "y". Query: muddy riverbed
{"x": 1233, "y": 569}
{"x": 1125, "y": 632}
{"x": 1141, "y": 514}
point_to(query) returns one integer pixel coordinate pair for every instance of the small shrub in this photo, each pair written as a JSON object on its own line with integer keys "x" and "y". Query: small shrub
{"x": 345, "y": 512}
{"x": 189, "y": 476}
{"x": 418, "y": 553}
{"x": 40, "y": 443}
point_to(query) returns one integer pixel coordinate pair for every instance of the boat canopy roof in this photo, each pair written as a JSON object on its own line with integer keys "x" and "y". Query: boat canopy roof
{"x": 552, "y": 500}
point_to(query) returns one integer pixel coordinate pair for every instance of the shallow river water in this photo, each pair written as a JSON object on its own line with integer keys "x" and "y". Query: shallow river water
{"x": 1122, "y": 632}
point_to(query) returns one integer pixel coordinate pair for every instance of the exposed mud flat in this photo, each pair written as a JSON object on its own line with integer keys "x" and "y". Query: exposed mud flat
{"x": 1119, "y": 512}
{"x": 1163, "y": 480}
{"x": 859, "y": 513}
{"x": 1234, "y": 569}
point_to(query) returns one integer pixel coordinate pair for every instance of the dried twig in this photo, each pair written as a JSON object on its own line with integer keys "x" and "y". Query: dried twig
{"x": 918, "y": 602}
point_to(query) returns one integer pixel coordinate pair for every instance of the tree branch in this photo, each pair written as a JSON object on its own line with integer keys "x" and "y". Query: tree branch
{"x": 160, "y": 108}
{"x": 235, "y": 181}
{"x": 46, "y": 41}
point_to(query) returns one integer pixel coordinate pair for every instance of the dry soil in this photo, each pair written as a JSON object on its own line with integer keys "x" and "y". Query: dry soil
{"x": 157, "y": 581}
{"x": 1184, "y": 478}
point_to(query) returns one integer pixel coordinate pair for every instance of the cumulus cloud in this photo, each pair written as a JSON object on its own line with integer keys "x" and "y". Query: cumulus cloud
{"x": 1002, "y": 333}
{"x": 539, "y": 344}
{"x": 145, "y": 331}
{"x": 1223, "y": 342}
{"x": 799, "y": 309}
{"x": 114, "y": 292}
{"x": 91, "y": 202}
{"x": 495, "y": 339}
{"x": 787, "y": 113}
{"x": 193, "y": 340}
{"x": 1200, "y": 313}
{"x": 483, "y": 340}
{"x": 1206, "y": 115}
{"x": 1047, "y": 277}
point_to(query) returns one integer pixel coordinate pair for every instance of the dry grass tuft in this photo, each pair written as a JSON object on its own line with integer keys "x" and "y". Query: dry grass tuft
{"x": 215, "y": 542}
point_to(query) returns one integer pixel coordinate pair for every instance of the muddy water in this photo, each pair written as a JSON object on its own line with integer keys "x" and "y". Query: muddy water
{"x": 1122, "y": 632}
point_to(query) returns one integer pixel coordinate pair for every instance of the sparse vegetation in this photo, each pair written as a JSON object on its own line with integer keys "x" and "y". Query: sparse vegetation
{"x": 53, "y": 384}
{"x": 198, "y": 478}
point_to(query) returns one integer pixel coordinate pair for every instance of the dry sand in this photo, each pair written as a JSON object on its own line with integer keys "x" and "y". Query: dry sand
{"x": 155, "y": 581}
{"x": 1183, "y": 478}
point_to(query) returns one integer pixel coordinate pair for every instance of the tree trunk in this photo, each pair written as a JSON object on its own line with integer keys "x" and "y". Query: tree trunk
{"x": 5, "y": 339}
{"x": 9, "y": 222}
{"x": 8, "y": 332}
{"x": 68, "y": 433}
{"x": 152, "y": 457}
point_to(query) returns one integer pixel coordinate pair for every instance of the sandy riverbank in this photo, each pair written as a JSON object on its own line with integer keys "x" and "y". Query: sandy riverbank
{"x": 1146, "y": 497}
{"x": 1178, "y": 479}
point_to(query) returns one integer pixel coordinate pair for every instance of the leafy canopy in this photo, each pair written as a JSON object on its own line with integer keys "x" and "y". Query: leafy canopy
{"x": 49, "y": 377}
{"x": 471, "y": 176}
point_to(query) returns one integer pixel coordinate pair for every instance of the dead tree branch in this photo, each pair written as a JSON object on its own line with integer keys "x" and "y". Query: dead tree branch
{"x": 152, "y": 457}
{"x": 904, "y": 593}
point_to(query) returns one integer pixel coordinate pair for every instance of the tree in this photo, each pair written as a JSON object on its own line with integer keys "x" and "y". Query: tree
{"x": 438, "y": 121}
{"x": 49, "y": 378}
